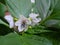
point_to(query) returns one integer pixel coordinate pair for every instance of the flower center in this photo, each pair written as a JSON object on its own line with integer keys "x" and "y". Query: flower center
{"x": 23, "y": 23}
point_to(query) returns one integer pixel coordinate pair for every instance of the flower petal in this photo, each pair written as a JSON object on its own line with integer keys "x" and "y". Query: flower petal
{"x": 17, "y": 23}
{"x": 34, "y": 18}
{"x": 11, "y": 24}
{"x": 33, "y": 15}
{"x": 9, "y": 19}
{"x": 19, "y": 28}
{"x": 22, "y": 24}
{"x": 32, "y": 1}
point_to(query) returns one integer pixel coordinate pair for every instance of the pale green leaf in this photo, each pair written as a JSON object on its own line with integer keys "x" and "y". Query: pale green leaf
{"x": 19, "y": 7}
{"x": 43, "y": 7}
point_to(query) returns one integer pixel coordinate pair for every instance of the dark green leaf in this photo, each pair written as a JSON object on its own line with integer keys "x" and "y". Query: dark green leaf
{"x": 2, "y": 1}
{"x": 2, "y": 10}
{"x": 37, "y": 29}
{"x": 4, "y": 30}
{"x": 2, "y": 22}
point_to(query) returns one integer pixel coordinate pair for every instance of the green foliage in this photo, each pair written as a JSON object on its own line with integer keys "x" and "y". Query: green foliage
{"x": 15, "y": 39}
{"x": 46, "y": 33}
{"x": 27, "y": 39}
{"x": 2, "y": 9}
{"x": 54, "y": 18}
{"x": 4, "y": 30}
{"x": 43, "y": 7}
{"x": 2, "y": 1}
{"x": 2, "y": 22}
{"x": 19, "y": 7}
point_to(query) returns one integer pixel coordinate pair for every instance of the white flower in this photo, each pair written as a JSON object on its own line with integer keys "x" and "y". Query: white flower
{"x": 9, "y": 19}
{"x": 32, "y": 1}
{"x": 22, "y": 23}
{"x": 34, "y": 18}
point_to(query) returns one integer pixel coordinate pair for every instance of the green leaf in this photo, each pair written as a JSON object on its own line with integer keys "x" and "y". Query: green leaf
{"x": 37, "y": 30}
{"x": 28, "y": 39}
{"x": 2, "y": 9}
{"x": 56, "y": 12}
{"x": 25, "y": 39}
{"x": 2, "y": 22}
{"x": 53, "y": 36}
{"x": 19, "y": 7}
{"x": 53, "y": 3}
{"x": 57, "y": 6}
{"x": 43, "y": 7}
{"x": 51, "y": 23}
{"x": 2, "y": 1}
{"x": 4, "y": 30}
{"x": 54, "y": 16}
